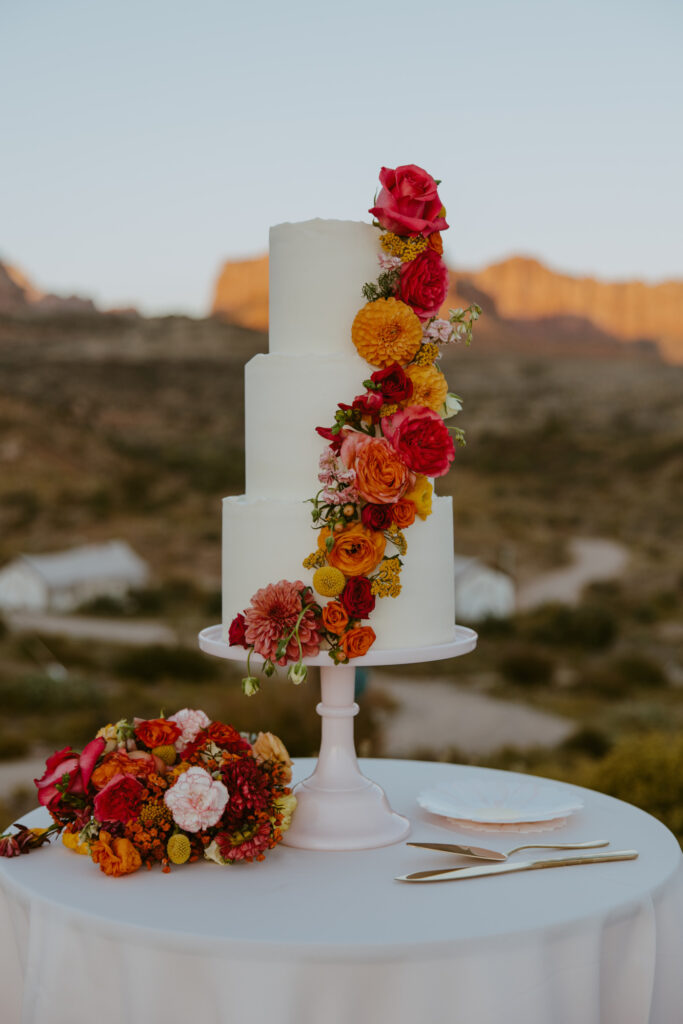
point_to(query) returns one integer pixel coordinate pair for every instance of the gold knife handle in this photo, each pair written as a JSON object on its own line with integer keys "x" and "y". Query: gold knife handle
{"x": 453, "y": 874}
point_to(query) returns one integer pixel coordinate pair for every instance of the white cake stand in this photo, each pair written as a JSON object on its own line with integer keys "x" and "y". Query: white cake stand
{"x": 338, "y": 808}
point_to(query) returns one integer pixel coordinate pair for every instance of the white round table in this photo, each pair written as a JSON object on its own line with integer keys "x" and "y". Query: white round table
{"x": 311, "y": 937}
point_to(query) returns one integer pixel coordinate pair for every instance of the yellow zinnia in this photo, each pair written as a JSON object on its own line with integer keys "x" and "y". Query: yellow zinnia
{"x": 386, "y": 331}
{"x": 421, "y": 496}
{"x": 430, "y": 387}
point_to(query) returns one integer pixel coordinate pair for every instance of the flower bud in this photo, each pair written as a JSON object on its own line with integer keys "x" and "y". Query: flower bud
{"x": 250, "y": 685}
{"x": 297, "y": 673}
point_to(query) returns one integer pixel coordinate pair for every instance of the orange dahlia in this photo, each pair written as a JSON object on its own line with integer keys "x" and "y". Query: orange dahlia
{"x": 430, "y": 387}
{"x": 386, "y": 331}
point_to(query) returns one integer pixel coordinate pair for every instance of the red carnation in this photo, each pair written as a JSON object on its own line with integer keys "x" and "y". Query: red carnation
{"x": 394, "y": 383}
{"x": 357, "y": 597}
{"x": 423, "y": 284}
{"x": 376, "y": 517}
{"x": 409, "y": 203}
{"x": 236, "y": 633}
{"x": 421, "y": 438}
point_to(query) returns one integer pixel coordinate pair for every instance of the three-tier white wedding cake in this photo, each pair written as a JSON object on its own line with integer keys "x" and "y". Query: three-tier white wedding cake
{"x": 317, "y": 271}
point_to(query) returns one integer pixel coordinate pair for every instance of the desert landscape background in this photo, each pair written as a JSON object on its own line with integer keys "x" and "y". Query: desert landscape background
{"x": 113, "y": 425}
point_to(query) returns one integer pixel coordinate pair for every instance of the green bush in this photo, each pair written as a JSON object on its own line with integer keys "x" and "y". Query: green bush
{"x": 495, "y": 627}
{"x": 590, "y": 626}
{"x": 587, "y": 740}
{"x": 646, "y": 771}
{"x": 639, "y": 670}
{"x": 13, "y": 747}
{"x": 526, "y": 667}
{"x": 39, "y": 694}
{"x": 156, "y": 661}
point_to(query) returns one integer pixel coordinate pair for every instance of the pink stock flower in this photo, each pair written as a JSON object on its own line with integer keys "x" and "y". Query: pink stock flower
{"x": 440, "y": 331}
{"x": 196, "y": 800}
{"x": 273, "y": 614}
{"x": 191, "y": 722}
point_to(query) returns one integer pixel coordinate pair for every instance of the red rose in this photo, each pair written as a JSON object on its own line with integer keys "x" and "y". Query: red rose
{"x": 409, "y": 203}
{"x": 236, "y": 633}
{"x": 78, "y": 768}
{"x": 394, "y": 384}
{"x": 421, "y": 438}
{"x": 119, "y": 800}
{"x": 368, "y": 404}
{"x": 357, "y": 597}
{"x": 376, "y": 517}
{"x": 423, "y": 284}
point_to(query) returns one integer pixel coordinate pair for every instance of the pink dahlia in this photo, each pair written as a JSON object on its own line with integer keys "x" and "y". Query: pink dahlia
{"x": 273, "y": 614}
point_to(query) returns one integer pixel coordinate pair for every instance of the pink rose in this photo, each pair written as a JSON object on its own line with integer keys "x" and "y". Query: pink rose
{"x": 409, "y": 203}
{"x": 197, "y": 800}
{"x": 191, "y": 722}
{"x": 78, "y": 768}
{"x": 421, "y": 438}
{"x": 119, "y": 800}
{"x": 423, "y": 284}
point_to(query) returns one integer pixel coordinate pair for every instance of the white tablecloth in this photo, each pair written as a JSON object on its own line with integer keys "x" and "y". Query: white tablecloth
{"x": 329, "y": 938}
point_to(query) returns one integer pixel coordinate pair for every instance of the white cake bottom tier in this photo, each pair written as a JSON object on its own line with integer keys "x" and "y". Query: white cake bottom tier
{"x": 286, "y": 398}
{"x": 266, "y": 541}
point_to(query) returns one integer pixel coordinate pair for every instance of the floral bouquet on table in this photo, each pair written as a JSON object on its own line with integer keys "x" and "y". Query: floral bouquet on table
{"x": 169, "y": 790}
{"x": 382, "y": 449}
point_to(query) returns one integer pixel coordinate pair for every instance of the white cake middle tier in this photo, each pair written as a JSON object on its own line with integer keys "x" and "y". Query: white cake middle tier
{"x": 266, "y": 541}
{"x": 286, "y": 398}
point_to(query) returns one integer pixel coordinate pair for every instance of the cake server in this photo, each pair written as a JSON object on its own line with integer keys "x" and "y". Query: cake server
{"x": 456, "y": 874}
{"x": 483, "y": 854}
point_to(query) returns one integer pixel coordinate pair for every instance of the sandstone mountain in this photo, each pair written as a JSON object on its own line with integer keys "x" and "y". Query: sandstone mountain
{"x": 528, "y": 306}
{"x": 18, "y": 295}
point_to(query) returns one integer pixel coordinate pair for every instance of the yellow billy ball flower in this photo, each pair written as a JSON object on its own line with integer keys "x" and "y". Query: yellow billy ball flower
{"x": 166, "y": 752}
{"x": 328, "y": 581}
{"x": 178, "y": 848}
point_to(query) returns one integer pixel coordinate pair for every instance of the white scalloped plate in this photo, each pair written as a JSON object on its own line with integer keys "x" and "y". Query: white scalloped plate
{"x": 500, "y": 801}
{"x": 522, "y": 826}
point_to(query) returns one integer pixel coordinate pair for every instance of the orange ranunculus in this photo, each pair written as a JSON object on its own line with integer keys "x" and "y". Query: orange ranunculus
{"x": 117, "y": 857}
{"x": 386, "y": 331}
{"x": 381, "y": 474}
{"x": 335, "y": 618}
{"x": 403, "y": 513}
{"x": 357, "y": 642}
{"x": 356, "y": 550}
{"x": 120, "y": 763}
{"x": 435, "y": 242}
{"x": 157, "y": 732}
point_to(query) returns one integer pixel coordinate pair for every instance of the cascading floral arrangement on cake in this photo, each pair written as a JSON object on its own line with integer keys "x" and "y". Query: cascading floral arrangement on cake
{"x": 382, "y": 447}
{"x": 167, "y": 790}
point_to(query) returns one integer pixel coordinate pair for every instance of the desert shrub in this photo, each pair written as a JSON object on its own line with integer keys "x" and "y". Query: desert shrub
{"x": 526, "y": 667}
{"x": 155, "y": 661}
{"x": 12, "y": 747}
{"x": 591, "y": 626}
{"x": 492, "y": 626}
{"x": 587, "y": 740}
{"x": 639, "y": 670}
{"x": 3, "y": 628}
{"x": 105, "y": 604}
{"x": 646, "y": 771}
{"x": 38, "y": 694}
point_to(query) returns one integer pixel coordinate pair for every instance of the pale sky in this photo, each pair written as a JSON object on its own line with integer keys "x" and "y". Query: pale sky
{"x": 143, "y": 142}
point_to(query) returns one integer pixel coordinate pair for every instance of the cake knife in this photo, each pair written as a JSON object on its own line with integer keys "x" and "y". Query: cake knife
{"x": 503, "y": 869}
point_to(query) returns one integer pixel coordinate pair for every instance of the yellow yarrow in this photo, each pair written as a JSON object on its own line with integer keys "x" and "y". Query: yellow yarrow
{"x": 386, "y": 583}
{"x": 178, "y": 848}
{"x": 388, "y": 409}
{"x": 154, "y": 812}
{"x": 315, "y": 561}
{"x": 421, "y": 496}
{"x": 329, "y": 582}
{"x": 428, "y": 354}
{"x": 398, "y": 539}
{"x": 405, "y": 248}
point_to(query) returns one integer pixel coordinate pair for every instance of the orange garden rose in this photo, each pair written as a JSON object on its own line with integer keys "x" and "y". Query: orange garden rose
{"x": 421, "y": 496}
{"x": 430, "y": 387}
{"x": 381, "y": 474}
{"x": 120, "y": 763}
{"x": 117, "y": 857}
{"x": 157, "y": 732}
{"x": 386, "y": 331}
{"x": 358, "y": 641}
{"x": 404, "y": 513}
{"x": 335, "y": 618}
{"x": 356, "y": 550}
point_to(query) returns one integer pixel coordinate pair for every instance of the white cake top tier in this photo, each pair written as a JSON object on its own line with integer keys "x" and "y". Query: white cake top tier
{"x": 317, "y": 270}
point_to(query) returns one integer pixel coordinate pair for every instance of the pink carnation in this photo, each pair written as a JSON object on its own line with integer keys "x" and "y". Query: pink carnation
{"x": 190, "y": 722}
{"x": 272, "y": 615}
{"x": 197, "y": 800}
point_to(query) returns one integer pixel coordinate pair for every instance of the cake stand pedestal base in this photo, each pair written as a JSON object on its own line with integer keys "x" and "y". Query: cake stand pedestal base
{"x": 337, "y": 807}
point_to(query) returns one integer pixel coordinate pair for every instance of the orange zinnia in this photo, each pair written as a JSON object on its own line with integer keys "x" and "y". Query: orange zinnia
{"x": 430, "y": 387}
{"x": 356, "y": 550}
{"x": 386, "y": 331}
